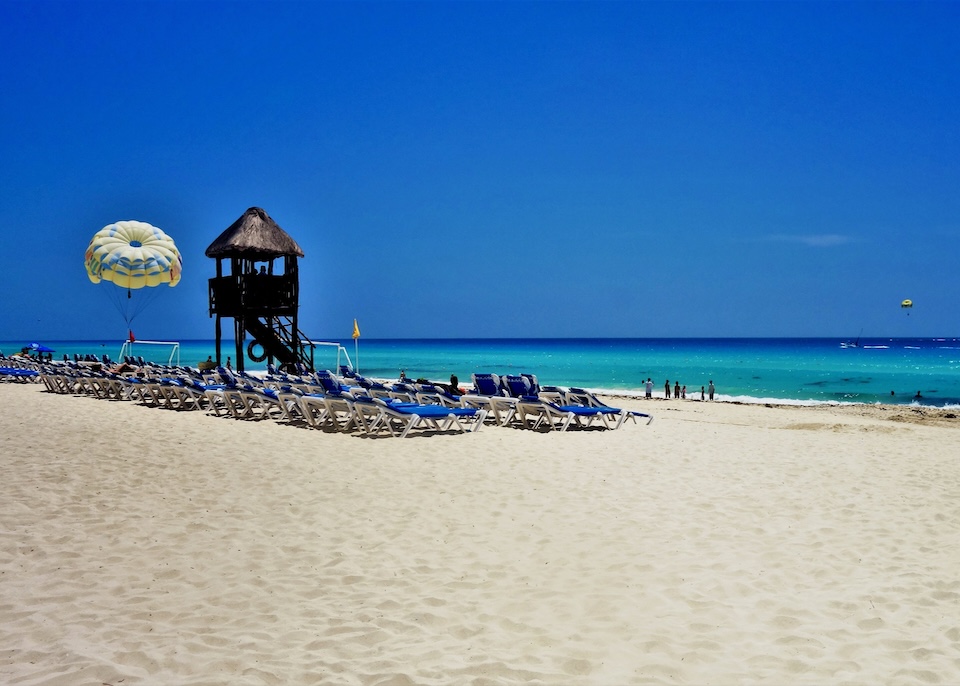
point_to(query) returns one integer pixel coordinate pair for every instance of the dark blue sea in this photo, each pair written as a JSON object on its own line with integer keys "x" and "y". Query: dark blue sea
{"x": 806, "y": 370}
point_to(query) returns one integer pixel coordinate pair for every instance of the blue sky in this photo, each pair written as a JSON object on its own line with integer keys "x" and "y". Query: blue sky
{"x": 495, "y": 169}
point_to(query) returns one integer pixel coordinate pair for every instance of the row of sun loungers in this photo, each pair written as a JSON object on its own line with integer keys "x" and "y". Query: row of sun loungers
{"x": 520, "y": 398}
{"x": 18, "y": 369}
{"x": 18, "y": 374}
{"x": 325, "y": 401}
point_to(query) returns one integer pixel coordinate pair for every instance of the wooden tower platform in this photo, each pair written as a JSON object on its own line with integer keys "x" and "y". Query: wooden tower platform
{"x": 260, "y": 292}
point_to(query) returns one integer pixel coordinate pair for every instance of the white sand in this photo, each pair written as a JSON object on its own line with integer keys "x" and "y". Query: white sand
{"x": 722, "y": 544}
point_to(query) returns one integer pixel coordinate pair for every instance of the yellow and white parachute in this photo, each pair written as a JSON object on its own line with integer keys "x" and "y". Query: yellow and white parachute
{"x": 132, "y": 255}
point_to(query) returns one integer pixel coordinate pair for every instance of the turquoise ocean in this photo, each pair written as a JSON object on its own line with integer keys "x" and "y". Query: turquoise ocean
{"x": 800, "y": 370}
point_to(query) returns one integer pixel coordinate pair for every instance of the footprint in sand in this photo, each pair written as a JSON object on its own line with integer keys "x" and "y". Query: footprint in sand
{"x": 871, "y": 624}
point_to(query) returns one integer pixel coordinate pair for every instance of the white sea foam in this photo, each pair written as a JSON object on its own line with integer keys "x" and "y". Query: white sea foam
{"x": 694, "y": 395}
{"x": 750, "y": 400}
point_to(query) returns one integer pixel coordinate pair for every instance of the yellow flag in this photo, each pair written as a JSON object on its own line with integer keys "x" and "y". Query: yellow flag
{"x": 356, "y": 329}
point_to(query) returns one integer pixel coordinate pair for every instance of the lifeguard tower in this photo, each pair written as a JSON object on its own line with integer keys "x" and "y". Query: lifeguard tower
{"x": 261, "y": 292}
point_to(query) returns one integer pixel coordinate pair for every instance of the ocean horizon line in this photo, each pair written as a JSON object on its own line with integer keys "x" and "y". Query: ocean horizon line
{"x": 121, "y": 339}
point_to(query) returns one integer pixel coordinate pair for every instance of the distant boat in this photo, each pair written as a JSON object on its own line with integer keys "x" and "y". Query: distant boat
{"x": 852, "y": 344}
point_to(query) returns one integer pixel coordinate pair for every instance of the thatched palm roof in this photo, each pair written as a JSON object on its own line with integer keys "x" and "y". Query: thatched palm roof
{"x": 254, "y": 235}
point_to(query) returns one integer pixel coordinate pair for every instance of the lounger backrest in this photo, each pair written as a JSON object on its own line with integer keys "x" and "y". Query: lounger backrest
{"x": 583, "y": 397}
{"x": 517, "y": 386}
{"x": 226, "y": 376}
{"x": 487, "y": 384}
{"x": 329, "y": 382}
{"x": 534, "y": 384}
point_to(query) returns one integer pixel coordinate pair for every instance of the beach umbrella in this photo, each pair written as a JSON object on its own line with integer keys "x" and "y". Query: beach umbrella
{"x": 40, "y": 348}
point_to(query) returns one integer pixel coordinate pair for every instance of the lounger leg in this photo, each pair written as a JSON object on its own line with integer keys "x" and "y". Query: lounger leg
{"x": 414, "y": 420}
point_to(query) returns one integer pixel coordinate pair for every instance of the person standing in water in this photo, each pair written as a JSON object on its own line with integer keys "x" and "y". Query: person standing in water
{"x": 711, "y": 389}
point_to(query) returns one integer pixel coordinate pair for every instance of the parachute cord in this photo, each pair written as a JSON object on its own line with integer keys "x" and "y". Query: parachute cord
{"x": 129, "y": 307}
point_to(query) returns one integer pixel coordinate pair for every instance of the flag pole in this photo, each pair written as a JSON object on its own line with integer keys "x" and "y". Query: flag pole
{"x": 356, "y": 344}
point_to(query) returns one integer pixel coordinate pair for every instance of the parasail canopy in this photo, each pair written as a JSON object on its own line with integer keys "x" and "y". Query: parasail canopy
{"x": 906, "y": 304}
{"x": 133, "y": 255}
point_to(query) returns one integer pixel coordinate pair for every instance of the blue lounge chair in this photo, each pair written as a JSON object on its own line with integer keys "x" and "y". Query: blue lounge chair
{"x": 18, "y": 374}
{"x": 487, "y": 394}
{"x": 183, "y": 393}
{"x": 554, "y": 394}
{"x": 404, "y": 417}
{"x": 579, "y": 396}
{"x": 374, "y": 389}
{"x": 341, "y": 412}
{"x": 535, "y": 413}
{"x": 428, "y": 394}
{"x": 330, "y": 383}
{"x": 313, "y": 409}
{"x": 404, "y": 392}
{"x": 519, "y": 385}
{"x": 277, "y": 404}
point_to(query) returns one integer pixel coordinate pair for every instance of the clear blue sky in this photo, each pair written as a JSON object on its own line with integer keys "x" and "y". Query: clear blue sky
{"x": 464, "y": 169}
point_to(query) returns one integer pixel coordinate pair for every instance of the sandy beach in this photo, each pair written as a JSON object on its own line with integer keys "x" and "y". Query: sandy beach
{"x": 722, "y": 544}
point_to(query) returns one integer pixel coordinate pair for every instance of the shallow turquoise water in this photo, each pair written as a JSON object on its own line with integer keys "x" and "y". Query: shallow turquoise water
{"x": 744, "y": 369}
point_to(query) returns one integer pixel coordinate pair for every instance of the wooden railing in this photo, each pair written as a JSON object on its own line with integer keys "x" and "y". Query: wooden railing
{"x": 253, "y": 294}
